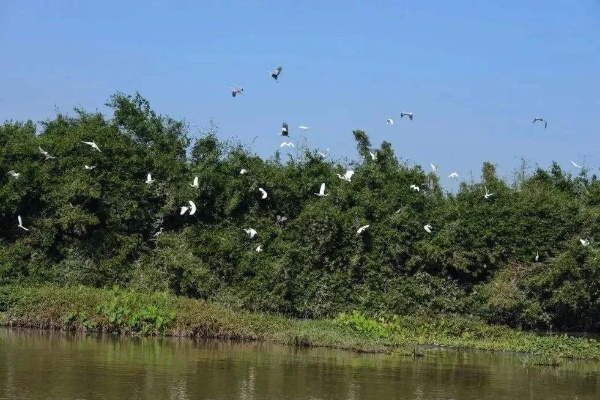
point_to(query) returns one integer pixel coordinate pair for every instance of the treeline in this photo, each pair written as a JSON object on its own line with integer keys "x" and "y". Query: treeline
{"x": 97, "y": 226}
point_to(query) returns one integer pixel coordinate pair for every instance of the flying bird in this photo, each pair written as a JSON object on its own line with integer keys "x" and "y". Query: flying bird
{"x": 275, "y": 74}
{"x": 304, "y": 128}
{"x": 362, "y": 228}
{"x": 390, "y": 121}
{"x": 415, "y": 188}
{"x": 93, "y": 144}
{"x": 347, "y": 176}
{"x": 192, "y": 207}
{"x": 264, "y": 193}
{"x": 21, "y": 223}
{"x": 287, "y": 144}
{"x": 408, "y": 114}
{"x": 284, "y": 129}
{"x": 251, "y": 232}
{"x": 576, "y": 165}
{"x": 149, "y": 179}
{"x": 453, "y": 175}
{"x": 89, "y": 167}
{"x": 584, "y": 242}
{"x": 427, "y": 228}
{"x": 487, "y": 194}
{"x": 45, "y": 153}
{"x": 434, "y": 167}
{"x": 236, "y": 90}
{"x": 14, "y": 174}
{"x": 373, "y": 155}
{"x": 243, "y": 171}
{"x": 541, "y": 120}
{"x": 195, "y": 183}
{"x": 322, "y": 191}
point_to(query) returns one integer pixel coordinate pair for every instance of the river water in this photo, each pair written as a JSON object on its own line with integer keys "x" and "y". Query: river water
{"x": 57, "y": 365}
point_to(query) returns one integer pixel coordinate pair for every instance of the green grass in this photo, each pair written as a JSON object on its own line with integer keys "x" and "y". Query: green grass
{"x": 134, "y": 313}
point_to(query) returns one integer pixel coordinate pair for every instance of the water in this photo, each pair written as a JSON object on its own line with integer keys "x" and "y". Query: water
{"x": 52, "y": 365}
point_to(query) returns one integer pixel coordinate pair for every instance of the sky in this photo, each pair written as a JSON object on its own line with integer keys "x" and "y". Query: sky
{"x": 474, "y": 73}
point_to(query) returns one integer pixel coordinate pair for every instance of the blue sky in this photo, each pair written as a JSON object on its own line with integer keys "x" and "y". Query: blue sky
{"x": 475, "y": 73}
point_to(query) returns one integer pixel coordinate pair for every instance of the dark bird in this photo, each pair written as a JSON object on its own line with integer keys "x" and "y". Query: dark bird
{"x": 275, "y": 74}
{"x": 284, "y": 129}
{"x": 542, "y": 120}
{"x": 408, "y": 114}
{"x": 236, "y": 90}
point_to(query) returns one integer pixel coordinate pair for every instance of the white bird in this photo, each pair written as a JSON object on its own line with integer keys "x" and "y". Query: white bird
{"x": 427, "y": 228}
{"x": 287, "y": 144}
{"x": 434, "y": 167}
{"x": 415, "y": 188}
{"x": 373, "y": 155}
{"x": 584, "y": 242}
{"x": 264, "y": 193}
{"x": 149, "y": 179}
{"x": 304, "y": 128}
{"x": 408, "y": 114}
{"x": 322, "y": 191}
{"x": 281, "y": 219}
{"x": 362, "y": 228}
{"x": 324, "y": 153}
{"x": 487, "y": 194}
{"x": 195, "y": 183}
{"x": 537, "y": 256}
{"x": 89, "y": 167}
{"x": 259, "y": 249}
{"x": 93, "y": 144}
{"x": 251, "y": 232}
{"x": 576, "y": 165}
{"x": 14, "y": 174}
{"x": 275, "y": 74}
{"x": 45, "y": 153}
{"x": 347, "y": 176}
{"x": 536, "y": 119}
{"x": 390, "y": 121}
{"x": 243, "y": 171}
{"x": 183, "y": 210}
{"x": 453, "y": 175}
{"x": 157, "y": 234}
{"x": 236, "y": 90}
{"x": 192, "y": 207}
{"x": 21, "y": 223}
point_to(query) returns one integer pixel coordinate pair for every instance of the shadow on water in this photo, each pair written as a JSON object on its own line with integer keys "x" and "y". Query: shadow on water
{"x": 59, "y": 365}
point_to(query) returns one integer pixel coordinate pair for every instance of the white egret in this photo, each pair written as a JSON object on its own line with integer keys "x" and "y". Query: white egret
{"x": 243, "y": 171}
{"x": 536, "y": 119}
{"x": 373, "y": 155}
{"x": 45, "y": 153}
{"x": 275, "y": 74}
{"x": 195, "y": 183}
{"x": 149, "y": 179}
{"x": 362, "y": 228}
{"x": 304, "y": 128}
{"x": 576, "y": 165}
{"x": 264, "y": 193}
{"x": 259, "y": 249}
{"x": 453, "y": 175}
{"x": 14, "y": 174}
{"x": 89, "y": 167}
{"x": 434, "y": 167}
{"x": 192, "y": 207}
{"x": 287, "y": 144}
{"x": 408, "y": 114}
{"x": 281, "y": 219}
{"x": 347, "y": 176}
{"x": 487, "y": 194}
{"x": 160, "y": 232}
{"x": 537, "y": 256}
{"x": 324, "y": 153}
{"x": 251, "y": 232}
{"x": 415, "y": 188}
{"x": 21, "y": 223}
{"x": 585, "y": 242}
{"x": 390, "y": 121}
{"x": 93, "y": 144}
{"x": 322, "y": 191}
{"x": 427, "y": 228}
{"x": 183, "y": 210}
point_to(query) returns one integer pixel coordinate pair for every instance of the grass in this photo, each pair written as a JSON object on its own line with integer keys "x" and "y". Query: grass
{"x": 134, "y": 313}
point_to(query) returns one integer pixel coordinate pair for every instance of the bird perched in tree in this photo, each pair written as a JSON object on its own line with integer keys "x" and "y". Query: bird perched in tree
{"x": 322, "y": 191}
{"x": 408, "y": 114}
{"x": 275, "y": 74}
{"x": 236, "y": 90}
{"x": 361, "y": 229}
{"x": 536, "y": 119}
{"x": 45, "y": 153}
{"x": 14, "y": 174}
{"x": 347, "y": 176}
{"x": 284, "y": 129}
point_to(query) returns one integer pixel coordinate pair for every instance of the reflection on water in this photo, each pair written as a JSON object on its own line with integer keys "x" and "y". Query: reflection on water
{"x": 54, "y": 365}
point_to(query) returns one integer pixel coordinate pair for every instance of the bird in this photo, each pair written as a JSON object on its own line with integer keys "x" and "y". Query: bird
{"x": 390, "y": 121}
{"x": 21, "y": 223}
{"x": 322, "y": 191}
{"x": 427, "y": 228}
{"x": 362, "y": 228}
{"x": 304, "y": 128}
{"x": 324, "y": 153}
{"x": 14, "y": 174}
{"x": 183, "y": 210}
{"x": 45, "y": 153}
{"x": 415, "y": 188}
{"x": 251, "y": 232}
{"x": 537, "y": 256}
{"x": 281, "y": 219}
{"x": 93, "y": 144}
{"x": 236, "y": 90}
{"x": 576, "y": 165}
{"x": 195, "y": 183}
{"x": 347, "y": 176}
{"x": 264, "y": 193}
{"x": 373, "y": 155}
{"x": 408, "y": 114}
{"x": 284, "y": 129}
{"x": 584, "y": 242}
{"x": 192, "y": 207}
{"x": 259, "y": 249}
{"x": 487, "y": 194}
{"x": 536, "y": 119}
{"x": 243, "y": 171}
{"x": 89, "y": 167}
{"x": 453, "y": 175}
{"x": 275, "y": 74}
{"x": 157, "y": 234}
{"x": 149, "y": 179}
{"x": 434, "y": 167}
{"x": 287, "y": 144}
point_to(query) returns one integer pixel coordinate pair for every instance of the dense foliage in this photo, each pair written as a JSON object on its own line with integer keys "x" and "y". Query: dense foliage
{"x": 96, "y": 227}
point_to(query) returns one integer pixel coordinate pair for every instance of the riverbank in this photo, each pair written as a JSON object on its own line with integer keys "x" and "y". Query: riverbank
{"x": 133, "y": 313}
